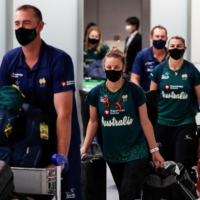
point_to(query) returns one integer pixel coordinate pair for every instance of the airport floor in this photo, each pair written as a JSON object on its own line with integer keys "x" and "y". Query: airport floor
{"x": 112, "y": 193}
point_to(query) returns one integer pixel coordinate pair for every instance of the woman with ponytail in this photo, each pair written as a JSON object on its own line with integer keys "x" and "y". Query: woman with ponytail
{"x": 125, "y": 128}
{"x": 178, "y": 84}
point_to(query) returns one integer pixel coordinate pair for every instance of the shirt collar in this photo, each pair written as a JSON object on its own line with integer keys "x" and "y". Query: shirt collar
{"x": 152, "y": 56}
{"x": 133, "y": 34}
{"x": 41, "y": 63}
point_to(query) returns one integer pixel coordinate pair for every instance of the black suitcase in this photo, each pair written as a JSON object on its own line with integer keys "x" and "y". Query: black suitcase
{"x": 93, "y": 178}
{"x": 6, "y": 181}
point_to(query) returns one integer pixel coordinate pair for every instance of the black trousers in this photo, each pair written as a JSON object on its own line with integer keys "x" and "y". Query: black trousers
{"x": 128, "y": 177}
{"x": 179, "y": 144}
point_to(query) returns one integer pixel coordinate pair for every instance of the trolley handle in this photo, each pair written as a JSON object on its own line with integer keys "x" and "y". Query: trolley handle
{"x": 59, "y": 159}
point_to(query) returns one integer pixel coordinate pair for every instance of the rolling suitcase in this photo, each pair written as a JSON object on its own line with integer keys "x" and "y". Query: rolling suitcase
{"x": 6, "y": 181}
{"x": 93, "y": 178}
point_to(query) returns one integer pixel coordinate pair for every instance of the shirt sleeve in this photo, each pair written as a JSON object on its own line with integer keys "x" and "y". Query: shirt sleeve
{"x": 63, "y": 74}
{"x": 154, "y": 75}
{"x": 90, "y": 98}
{"x": 138, "y": 64}
{"x": 196, "y": 77}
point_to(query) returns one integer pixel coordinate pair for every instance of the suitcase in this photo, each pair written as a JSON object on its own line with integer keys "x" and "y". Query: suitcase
{"x": 93, "y": 178}
{"x": 6, "y": 181}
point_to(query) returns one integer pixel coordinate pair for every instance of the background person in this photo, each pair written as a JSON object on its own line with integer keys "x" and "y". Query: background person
{"x": 147, "y": 59}
{"x": 45, "y": 76}
{"x": 124, "y": 144}
{"x": 176, "y": 127}
{"x": 94, "y": 49}
{"x": 88, "y": 27}
{"x": 133, "y": 43}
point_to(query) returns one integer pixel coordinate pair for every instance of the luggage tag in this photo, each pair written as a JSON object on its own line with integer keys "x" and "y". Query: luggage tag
{"x": 44, "y": 131}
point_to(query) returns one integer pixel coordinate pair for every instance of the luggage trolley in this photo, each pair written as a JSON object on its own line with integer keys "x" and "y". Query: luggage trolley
{"x": 44, "y": 181}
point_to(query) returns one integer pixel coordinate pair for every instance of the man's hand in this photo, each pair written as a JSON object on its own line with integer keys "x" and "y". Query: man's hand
{"x": 53, "y": 166}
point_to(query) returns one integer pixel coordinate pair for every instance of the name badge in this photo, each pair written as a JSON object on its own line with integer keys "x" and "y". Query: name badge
{"x": 44, "y": 131}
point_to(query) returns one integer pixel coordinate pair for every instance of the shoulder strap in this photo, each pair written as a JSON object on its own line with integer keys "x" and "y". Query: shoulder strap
{"x": 98, "y": 134}
{"x": 160, "y": 70}
{"x": 96, "y": 91}
{"x": 144, "y": 55}
{"x": 134, "y": 92}
{"x": 191, "y": 73}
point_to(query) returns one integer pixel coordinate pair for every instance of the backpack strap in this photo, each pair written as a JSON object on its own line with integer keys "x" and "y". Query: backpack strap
{"x": 191, "y": 79}
{"x": 98, "y": 134}
{"x": 160, "y": 71}
{"x": 134, "y": 92}
{"x": 97, "y": 91}
{"x": 144, "y": 55}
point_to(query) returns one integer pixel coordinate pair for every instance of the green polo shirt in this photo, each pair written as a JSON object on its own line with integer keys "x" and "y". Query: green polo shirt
{"x": 91, "y": 55}
{"x": 123, "y": 138}
{"x": 175, "y": 95}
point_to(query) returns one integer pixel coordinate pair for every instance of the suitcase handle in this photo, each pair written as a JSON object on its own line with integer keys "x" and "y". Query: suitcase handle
{"x": 59, "y": 159}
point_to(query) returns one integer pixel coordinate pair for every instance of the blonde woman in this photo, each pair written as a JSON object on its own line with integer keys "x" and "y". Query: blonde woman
{"x": 178, "y": 86}
{"x": 124, "y": 129}
{"x": 93, "y": 47}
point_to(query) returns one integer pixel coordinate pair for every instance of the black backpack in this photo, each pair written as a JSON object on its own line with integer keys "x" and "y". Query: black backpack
{"x": 24, "y": 146}
{"x": 169, "y": 183}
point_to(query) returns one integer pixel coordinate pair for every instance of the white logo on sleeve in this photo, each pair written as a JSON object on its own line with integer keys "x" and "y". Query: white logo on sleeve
{"x": 70, "y": 82}
{"x": 165, "y": 76}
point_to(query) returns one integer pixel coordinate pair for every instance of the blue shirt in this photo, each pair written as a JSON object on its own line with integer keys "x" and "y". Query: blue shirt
{"x": 53, "y": 73}
{"x": 143, "y": 65}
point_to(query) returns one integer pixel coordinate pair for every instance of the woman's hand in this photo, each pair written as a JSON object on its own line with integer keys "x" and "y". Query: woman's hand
{"x": 157, "y": 159}
{"x": 83, "y": 152}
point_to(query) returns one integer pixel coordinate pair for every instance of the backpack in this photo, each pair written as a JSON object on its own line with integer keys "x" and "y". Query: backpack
{"x": 191, "y": 79}
{"x": 27, "y": 151}
{"x": 11, "y": 100}
{"x": 170, "y": 183}
{"x": 26, "y": 141}
{"x": 95, "y": 70}
{"x": 152, "y": 105}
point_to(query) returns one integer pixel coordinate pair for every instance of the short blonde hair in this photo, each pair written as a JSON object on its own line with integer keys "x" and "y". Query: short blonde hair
{"x": 160, "y": 27}
{"x": 38, "y": 13}
{"x": 177, "y": 38}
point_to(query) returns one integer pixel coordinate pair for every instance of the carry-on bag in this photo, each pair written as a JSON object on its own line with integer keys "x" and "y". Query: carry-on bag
{"x": 169, "y": 183}
{"x": 93, "y": 178}
{"x": 6, "y": 181}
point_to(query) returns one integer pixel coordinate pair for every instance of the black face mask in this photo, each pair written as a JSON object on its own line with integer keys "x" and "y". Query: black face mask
{"x": 176, "y": 53}
{"x": 113, "y": 75}
{"x": 159, "y": 44}
{"x": 93, "y": 41}
{"x": 25, "y": 36}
